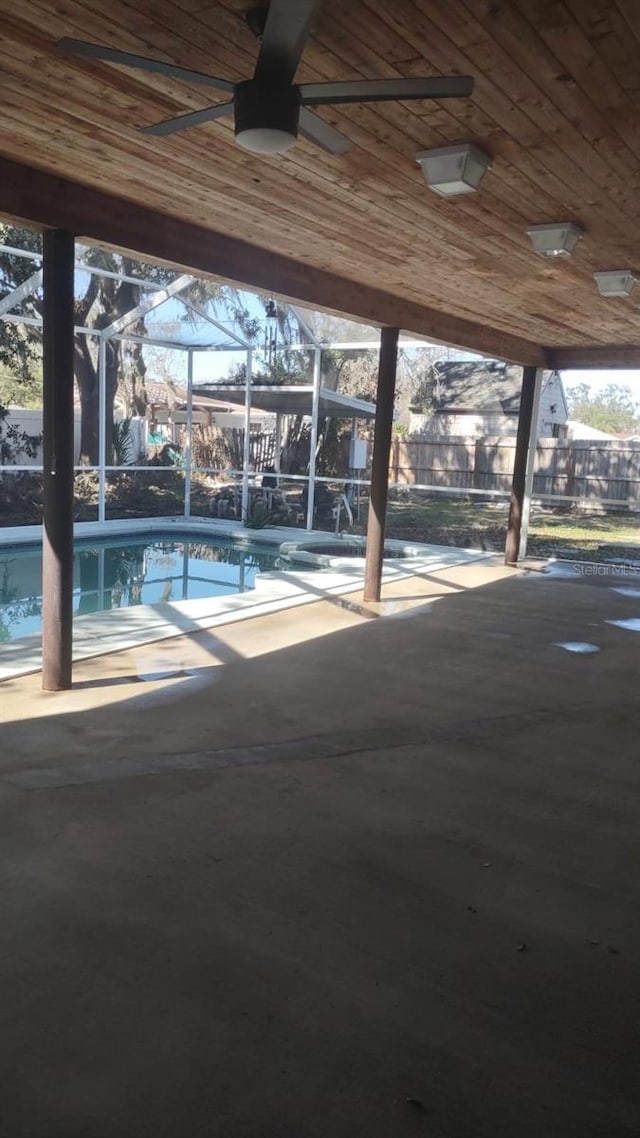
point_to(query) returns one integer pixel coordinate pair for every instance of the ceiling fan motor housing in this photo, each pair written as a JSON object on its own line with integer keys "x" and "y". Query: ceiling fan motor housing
{"x": 266, "y": 118}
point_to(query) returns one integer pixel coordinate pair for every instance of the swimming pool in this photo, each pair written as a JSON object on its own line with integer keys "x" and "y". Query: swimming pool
{"x": 124, "y": 571}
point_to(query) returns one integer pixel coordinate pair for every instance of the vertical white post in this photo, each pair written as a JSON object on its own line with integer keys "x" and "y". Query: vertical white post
{"x": 101, "y": 603}
{"x": 278, "y": 445}
{"x": 185, "y": 571}
{"x": 311, "y": 486}
{"x": 531, "y": 462}
{"x": 102, "y": 426}
{"x": 246, "y": 461}
{"x": 189, "y": 428}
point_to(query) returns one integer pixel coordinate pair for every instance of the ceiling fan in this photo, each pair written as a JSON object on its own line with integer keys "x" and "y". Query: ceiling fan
{"x": 271, "y": 110}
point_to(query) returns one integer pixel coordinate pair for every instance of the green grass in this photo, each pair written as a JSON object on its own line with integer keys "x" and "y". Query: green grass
{"x": 552, "y": 532}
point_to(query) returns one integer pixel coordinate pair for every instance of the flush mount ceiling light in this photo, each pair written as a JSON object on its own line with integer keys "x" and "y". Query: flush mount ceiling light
{"x": 451, "y": 170}
{"x": 619, "y": 282}
{"x": 558, "y": 239}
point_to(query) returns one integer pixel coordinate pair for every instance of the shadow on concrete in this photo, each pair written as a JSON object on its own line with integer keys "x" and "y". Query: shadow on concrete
{"x": 383, "y": 882}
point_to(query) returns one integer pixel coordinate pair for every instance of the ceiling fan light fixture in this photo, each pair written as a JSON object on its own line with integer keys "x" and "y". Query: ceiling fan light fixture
{"x": 618, "y": 282}
{"x": 265, "y": 140}
{"x": 266, "y": 119}
{"x": 451, "y": 170}
{"x": 557, "y": 239}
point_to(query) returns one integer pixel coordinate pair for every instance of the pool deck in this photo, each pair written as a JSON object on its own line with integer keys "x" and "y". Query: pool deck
{"x": 117, "y": 629}
{"x": 341, "y": 870}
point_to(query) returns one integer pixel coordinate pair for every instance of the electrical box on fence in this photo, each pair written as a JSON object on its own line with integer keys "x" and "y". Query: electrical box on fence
{"x": 358, "y": 454}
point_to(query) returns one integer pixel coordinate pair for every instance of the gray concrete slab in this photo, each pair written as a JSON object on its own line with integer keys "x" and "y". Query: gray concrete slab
{"x": 348, "y": 870}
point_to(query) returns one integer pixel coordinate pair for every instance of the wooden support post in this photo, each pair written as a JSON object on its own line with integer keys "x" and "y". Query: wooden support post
{"x": 57, "y": 562}
{"x": 523, "y": 462}
{"x": 380, "y": 462}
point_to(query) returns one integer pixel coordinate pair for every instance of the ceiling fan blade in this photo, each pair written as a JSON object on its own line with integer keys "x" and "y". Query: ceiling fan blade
{"x": 315, "y": 129}
{"x": 382, "y": 90}
{"x": 141, "y": 63}
{"x": 285, "y": 34}
{"x": 183, "y": 122}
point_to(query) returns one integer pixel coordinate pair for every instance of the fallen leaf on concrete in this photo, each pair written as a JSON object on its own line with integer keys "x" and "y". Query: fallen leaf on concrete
{"x": 417, "y": 1104}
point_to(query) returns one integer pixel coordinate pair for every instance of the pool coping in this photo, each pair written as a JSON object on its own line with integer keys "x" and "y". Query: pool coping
{"x": 115, "y": 630}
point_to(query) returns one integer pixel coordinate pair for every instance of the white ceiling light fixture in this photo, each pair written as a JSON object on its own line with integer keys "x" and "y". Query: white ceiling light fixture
{"x": 451, "y": 170}
{"x": 558, "y": 239}
{"x": 619, "y": 282}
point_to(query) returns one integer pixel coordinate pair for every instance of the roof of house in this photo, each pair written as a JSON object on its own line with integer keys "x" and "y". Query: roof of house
{"x": 488, "y": 386}
{"x": 578, "y": 430}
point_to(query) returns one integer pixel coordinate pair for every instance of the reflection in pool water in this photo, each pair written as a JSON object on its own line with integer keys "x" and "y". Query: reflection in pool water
{"x": 116, "y": 573}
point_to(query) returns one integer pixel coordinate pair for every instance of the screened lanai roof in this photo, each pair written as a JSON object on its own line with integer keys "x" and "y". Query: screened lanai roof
{"x": 290, "y": 399}
{"x": 177, "y": 323}
{"x": 179, "y": 310}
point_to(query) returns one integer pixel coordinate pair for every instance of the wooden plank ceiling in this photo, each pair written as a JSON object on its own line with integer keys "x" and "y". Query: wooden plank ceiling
{"x": 556, "y": 104}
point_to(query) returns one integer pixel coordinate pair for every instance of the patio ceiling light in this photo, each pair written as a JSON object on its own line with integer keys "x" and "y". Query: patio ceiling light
{"x": 619, "y": 282}
{"x": 557, "y": 239}
{"x": 266, "y": 139}
{"x": 451, "y": 170}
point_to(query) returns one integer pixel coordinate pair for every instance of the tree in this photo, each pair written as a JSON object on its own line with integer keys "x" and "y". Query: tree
{"x": 20, "y": 366}
{"x": 25, "y": 391}
{"x": 100, "y": 300}
{"x": 15, "y": 442}
{"x": 613, "y": 409}
{"x": 104, "y": 301}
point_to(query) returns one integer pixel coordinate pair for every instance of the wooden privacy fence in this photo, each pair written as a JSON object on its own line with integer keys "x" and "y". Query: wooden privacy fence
{"x": 600, "y": 471}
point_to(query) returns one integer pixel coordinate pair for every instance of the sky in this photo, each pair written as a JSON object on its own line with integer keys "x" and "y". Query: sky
{"x": 599, "y": 379}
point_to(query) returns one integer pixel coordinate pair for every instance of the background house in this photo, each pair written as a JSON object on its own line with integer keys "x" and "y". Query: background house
{"x": 167, "y": 410}
{"x": 578, "y": 430}
{"x": 483, "y": 398}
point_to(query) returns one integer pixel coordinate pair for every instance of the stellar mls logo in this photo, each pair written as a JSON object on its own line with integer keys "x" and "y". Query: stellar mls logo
{"x": 593, "y": 569}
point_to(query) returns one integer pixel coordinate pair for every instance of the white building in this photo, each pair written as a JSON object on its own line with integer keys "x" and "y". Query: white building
{"x": 483, "y": 398}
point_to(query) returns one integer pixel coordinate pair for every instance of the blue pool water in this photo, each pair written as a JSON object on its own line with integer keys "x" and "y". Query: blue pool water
{"x": 121, "y": 572}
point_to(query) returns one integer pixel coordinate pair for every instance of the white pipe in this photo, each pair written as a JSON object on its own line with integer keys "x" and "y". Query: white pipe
{"x": 102, "y": 426}
{"x": 247, "y": 438}
{"x": 185, "y": 571}
{"x": 188, "y": 430}
{"x": 101, "y": 604}
{"x": 314, "y": 437}
{"x": 278, "y": 445}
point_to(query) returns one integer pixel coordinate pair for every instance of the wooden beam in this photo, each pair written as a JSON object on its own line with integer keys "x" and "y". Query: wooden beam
{"x": 602, "y": 356}
{"x": 44, "y": 200}
{"x": 527, "y": 424}
{"x": 385, "y": 399}
{"x": 57, "y": 367}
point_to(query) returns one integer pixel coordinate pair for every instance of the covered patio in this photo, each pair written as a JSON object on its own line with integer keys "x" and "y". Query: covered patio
{"x": 367, "y": 867}
{"x": 348, "y": 869}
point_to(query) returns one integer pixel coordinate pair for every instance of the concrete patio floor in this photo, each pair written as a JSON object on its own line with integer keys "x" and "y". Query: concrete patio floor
{"x": 345, "y": 870}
